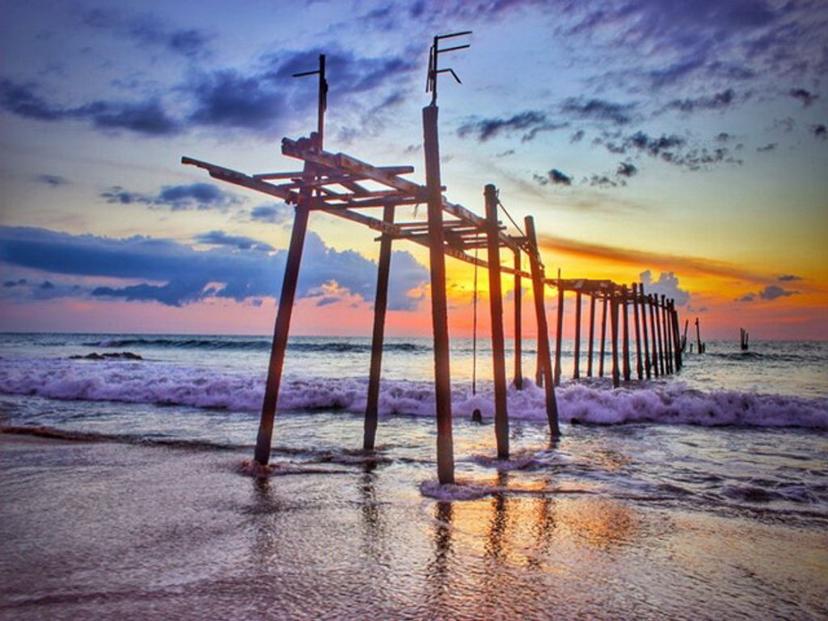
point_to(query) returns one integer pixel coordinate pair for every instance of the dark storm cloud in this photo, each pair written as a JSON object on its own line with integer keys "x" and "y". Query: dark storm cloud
{"x": 597, "y": 110}
{"x": 201, "y": 196}
{"x": 241, "y": 242}
{"x": 717, "y": 101}
{"x": 176, "y": 274}
{"x": 229, "y": 99}
{"x": 806, "y": 97}
{"x": 531, "y": 122}
{"x": 143, "y": 117}
{"x": 147, "y": 30}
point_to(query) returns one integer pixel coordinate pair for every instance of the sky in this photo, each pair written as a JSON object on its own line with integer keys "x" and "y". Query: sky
{"x": 680, "y": 144}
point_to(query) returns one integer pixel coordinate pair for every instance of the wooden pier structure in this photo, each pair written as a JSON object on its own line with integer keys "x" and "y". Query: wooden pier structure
{"x": 341, "y": 185}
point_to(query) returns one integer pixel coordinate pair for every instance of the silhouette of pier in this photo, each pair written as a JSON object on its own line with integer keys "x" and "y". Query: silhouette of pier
{"x": 337, "y": 184}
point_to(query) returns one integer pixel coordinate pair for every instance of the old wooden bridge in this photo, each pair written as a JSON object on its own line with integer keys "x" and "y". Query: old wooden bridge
{"x": 335, "y": 183}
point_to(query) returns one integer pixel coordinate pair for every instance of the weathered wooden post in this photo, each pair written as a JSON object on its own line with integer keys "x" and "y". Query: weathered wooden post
{"x": 665, "y": 326}
{"x": 591, "y": 333}
{"x": 518, "y": 324}
{"x": 654, "y": 334}
{"x": 660, "y": 334}
{"x": 576, "y": 373}
{"x": 676, "y": 337}
{"x": 559, "y": 334}
{"x": 439, "y": 307}
{"x": 538, "y": 280}
{"x": 642, "y": 302}
{"x": 603, "y": 336}
{"x": 626, "y": 334}
{"x": 639, "y": 368}
{"x": 281, "y": 328}
{"x": 699, "y": 344}
{"x": 496, "y": 307}
{"x": 380, "y": 307}
{"x": 614, "y": 326}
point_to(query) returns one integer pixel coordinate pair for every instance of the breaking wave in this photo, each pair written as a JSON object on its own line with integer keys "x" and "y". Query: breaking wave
{"x": 171, "y": 385}
{"x": 249, "y": 344}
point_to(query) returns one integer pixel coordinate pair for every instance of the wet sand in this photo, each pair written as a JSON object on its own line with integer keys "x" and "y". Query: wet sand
{"x": 99, "y": 529}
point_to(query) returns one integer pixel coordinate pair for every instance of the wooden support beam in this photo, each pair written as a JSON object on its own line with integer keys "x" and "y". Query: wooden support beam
{"x": 603, "y": 337}
{"x": 614, "y": 325}
{"x": 559, "y": 336}
{"x": 280, "y": 335}
{"x": 625, "y": 333}
{"x": 641, "y": 302}
{"x": 591, "y": 334}
{"x": 518, "y": 303}
{"x": 654, "y": 334}
{"x": 439, "y": 306}
{"x": 660, "y": 334}
{"x": 543, "y": 329}
{"x": 576, "y": 373}
{"x": 501, "y": 417}
{"x": 380, "y": 307}
{"x": 665, "y": 328}
{"x": 638, "y": 365}
{"x": 674, "y": 312}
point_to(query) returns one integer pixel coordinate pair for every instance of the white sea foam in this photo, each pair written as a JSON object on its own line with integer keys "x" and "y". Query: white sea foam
{"x": 169, "y": 384}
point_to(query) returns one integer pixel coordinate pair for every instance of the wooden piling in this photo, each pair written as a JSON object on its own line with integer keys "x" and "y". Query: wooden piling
{"x": 676, "y": 337}
{"x": 543, "y": 328}
{"x": 591, "y": 333}
{"x": 501, "y": 418}
{"x": 603, "y": 336}
{"x": 699, "y": 344}
{"x": 643, "y": 305}
{"x": 518, "y": 304}
{"x": 576, "y": 373}
{"x": 660, "y": 335}
{"x": 380, "y": 307}
{"x": 439, "y": 307}
{"x": 625, "y": 334}
{"x": 614, "y": 330}
{"x": 667, "y": 329}
{"x": 638, "y": 366}
{"x": 654, "y": 335}
{"x": 281, "y": 331}
{"x": 559, "y": 334}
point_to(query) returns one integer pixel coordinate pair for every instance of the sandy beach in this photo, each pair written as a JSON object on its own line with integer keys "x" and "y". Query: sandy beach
{"x": 99, "y": 529}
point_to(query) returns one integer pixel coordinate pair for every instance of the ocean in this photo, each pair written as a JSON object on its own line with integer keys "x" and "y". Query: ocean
{"x": 695, "y": 495}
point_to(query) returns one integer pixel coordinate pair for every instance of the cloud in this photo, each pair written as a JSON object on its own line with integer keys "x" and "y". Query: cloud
{"x": 531, "y": 122}
{"x": 576, "y": 137}
{"x": 176, "y": 274}
{"x": 626, "y": 169}
{"x": 228, "y": 99}
{"x": 241, "y": 242}
{"x": 767, "y": 148}
{"x": 603, "y": 181}
{"x": 143, "y": 117}
{"x": 505, "y": 153}
{"x": 748, "y": 297}
{"x": 672, "y": 149}
{"x": 200, "y": 196}
{"x": 640, "y": 258}
{"x": 772, "y": 292}
{"x": 819, "y": 131}
{"x": 806, "y": 97}
{"x": 275, "y": 213}
{"x": 597, "y": 110}
{"x": 667, "y": 284}
{"x": 724, "y": 137}
{"x": 53, "y": 181}
{"x": 718, "y": 101}
{"x": 788, "y": 277}
{"x": 149, "y": 31}
{"x": 555, "y": 177}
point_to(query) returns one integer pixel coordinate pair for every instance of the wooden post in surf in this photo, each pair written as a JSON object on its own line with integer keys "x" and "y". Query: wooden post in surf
{"x": 666, "y": 328}
{"x": 576, "y": 373}
{"x": 660, "y": 335}
{"x": 614, "y": 329}
{"x": 657, "y": 368}
{"x": 638, "y": 366}
{"x": 642, "y": 303}
{"x": 501, "y": 417}
{"x": 676, "y": 337}
{"x": 591, "y": 334}
{"x": 699, "y": 344}
{"x": 380, "y": 307}
{"x": 439, "y": 306}
{"x": 281, "y": 329}
{"x": 603, "y": 336}
{"x": 518, "y": 324}
{"x": 538, "y": 279}
{"x": 626, "y": 333}
{"x": 559, "y": 333}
